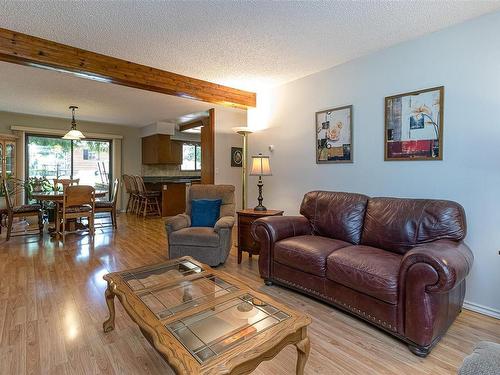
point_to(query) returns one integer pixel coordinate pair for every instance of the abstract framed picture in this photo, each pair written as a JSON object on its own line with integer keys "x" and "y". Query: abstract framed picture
{"x": 414, "y": 125}
{"x": 334, "y": 135}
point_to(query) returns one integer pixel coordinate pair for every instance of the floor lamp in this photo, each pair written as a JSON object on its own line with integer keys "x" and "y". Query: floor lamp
{"x": 244, "y": 131}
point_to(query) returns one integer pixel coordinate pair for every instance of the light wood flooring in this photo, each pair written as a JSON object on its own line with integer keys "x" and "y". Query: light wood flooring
{"x": 52, "y": 308}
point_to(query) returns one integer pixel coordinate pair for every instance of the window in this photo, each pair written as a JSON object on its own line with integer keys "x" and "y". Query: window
{"x": 191, "y": 157}
{"x": 53, "y": 157}
{"x": 90, "y": 155}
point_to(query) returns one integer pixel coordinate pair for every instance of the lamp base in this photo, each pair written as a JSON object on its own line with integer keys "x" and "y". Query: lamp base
{"x": 260, "y": 208}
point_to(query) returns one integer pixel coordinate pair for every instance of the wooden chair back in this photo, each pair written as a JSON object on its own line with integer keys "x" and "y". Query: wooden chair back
{"x": 11, "y": 188}
{"x": 127, "y": 183}
{"x": 8, "y": 193}
{"x": 133, "y": 185}
{"x": 78, "y": 195}
{"x": 114, "y": 191}
{"x": 141, "y": 188}
{"x": 65, "y": 182}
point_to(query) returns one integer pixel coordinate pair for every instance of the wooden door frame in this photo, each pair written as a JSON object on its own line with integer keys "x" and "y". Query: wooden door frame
{"x": 208, "y": 149}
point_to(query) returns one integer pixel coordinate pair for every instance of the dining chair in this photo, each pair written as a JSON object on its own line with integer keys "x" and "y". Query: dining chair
{"x": 78, "y": 202}
{"x": 130, "y": 191}
{"x": 109, "y": 206}
{"x": 136, "y": 198}
{"x": 22, "y": 211}
{"x": 65, "y": 182}
{"x": 148, "y": 200}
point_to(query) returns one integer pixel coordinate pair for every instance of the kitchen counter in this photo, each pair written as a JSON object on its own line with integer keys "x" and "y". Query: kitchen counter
{"x": 173, "y": 191}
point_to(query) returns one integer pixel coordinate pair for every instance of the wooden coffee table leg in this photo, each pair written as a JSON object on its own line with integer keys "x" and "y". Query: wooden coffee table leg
{"x": 303, "y": 348}
{"x": 109, "y": 324}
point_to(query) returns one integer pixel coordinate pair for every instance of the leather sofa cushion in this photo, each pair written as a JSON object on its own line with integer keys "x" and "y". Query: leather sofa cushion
{"x": 194, "y": 236}
{"x": 335, "y": 215}
{"x": 398, "y": 225}
{"x": 366, "y": 269}
{"x": 306, "y": 253}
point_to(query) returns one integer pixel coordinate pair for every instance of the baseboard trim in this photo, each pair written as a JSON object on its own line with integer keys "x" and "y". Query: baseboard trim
{"x": 482, "y": 309}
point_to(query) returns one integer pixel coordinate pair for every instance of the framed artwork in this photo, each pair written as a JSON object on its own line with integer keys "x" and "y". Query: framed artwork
{"x": 414, "y": 125}
{"x": 334, "y": 135}
{"x": 236, "y": 156}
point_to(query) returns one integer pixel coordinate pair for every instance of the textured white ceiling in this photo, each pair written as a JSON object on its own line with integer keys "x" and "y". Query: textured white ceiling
{"x": 244, "y": 44}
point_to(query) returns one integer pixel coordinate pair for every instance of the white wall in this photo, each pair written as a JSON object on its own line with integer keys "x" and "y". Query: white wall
{"x": 225, "y": 138}
{"x": 466, "y": 60}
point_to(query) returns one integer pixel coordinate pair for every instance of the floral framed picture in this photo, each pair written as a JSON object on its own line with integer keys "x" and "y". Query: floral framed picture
{"x": 334, "y": 135}
{"x": 414, "y": 125}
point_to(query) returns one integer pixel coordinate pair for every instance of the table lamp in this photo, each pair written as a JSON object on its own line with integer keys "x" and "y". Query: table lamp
{"x": 260, "y": 167}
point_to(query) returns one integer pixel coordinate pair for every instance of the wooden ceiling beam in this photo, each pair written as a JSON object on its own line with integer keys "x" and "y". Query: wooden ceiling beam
{"x": 194, "y": 123}
{"x": 28, "y": 50}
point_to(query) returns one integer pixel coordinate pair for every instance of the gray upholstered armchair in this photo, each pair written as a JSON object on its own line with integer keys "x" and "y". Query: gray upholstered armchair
{"x": 206, "y": 244}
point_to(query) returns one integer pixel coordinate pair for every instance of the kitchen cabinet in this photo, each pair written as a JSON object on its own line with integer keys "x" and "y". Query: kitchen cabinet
{"x": 160, "y": 149}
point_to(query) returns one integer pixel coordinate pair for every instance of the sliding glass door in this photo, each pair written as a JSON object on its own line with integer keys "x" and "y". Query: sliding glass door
{"x": 92, "y": 163}
{"x": 54, "y": 157}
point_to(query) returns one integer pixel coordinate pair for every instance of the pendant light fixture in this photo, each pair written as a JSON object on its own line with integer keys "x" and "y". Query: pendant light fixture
{"x": 74, "y": 134}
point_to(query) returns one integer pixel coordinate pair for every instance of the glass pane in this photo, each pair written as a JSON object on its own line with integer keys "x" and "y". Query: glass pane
{"x": 49, "y": 157}
{"x": 188, "y": 157}
{"x": 198, "y": 157}
{"x": 157, "y": 275}
{"x": 169, "y": 300}
{"x": 91, "y": 163}
{"x": 213, "y": 331}
{"x": 10, "y": 160}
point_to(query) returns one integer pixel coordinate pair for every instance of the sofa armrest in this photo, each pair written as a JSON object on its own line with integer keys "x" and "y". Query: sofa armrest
{"x": 177, "y": 222}
{"x": 224, "y": 222}
{"x": 281, "y": 227}
{"x": 268, "y": 230}
{"x": 452, "y": 261}
{"x": 432, "y": 289}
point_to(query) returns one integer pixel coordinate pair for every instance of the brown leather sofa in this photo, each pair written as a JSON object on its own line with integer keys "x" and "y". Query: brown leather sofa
{"x": 399, "y": 264}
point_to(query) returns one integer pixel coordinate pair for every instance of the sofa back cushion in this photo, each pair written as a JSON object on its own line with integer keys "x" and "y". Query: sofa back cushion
{"x": 397, "y": 224}
{"x": 335, "y": 215}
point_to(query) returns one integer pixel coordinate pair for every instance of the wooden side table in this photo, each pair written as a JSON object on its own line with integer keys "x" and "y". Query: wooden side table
{"x": 245, "y": 239}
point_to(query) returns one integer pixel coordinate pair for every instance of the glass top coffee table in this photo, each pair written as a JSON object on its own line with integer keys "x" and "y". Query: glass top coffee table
{"x": 204, "y": 321}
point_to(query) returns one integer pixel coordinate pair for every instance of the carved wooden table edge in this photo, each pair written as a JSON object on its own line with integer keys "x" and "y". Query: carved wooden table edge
{"x": 234, "y": 361}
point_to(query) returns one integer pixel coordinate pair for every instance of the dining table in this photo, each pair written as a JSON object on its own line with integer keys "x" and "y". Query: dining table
{"x": 57, "y": 198}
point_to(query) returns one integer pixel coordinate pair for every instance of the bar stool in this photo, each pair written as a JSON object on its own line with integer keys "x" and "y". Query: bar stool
{"x": 148, "y": 204}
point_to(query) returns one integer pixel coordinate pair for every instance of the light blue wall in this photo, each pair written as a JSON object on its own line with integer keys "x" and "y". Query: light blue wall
{"x": 466, "y": 60}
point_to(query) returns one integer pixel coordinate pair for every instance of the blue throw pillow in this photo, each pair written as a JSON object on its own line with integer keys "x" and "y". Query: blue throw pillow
{"x": 205, "y": 212}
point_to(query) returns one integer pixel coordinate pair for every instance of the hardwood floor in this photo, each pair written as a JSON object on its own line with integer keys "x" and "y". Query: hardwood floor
{"x": 52, "y": 307}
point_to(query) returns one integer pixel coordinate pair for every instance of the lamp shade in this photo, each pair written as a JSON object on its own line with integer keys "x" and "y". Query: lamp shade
{"x": 74, "y": 134}
{"x": 260, "y": 166}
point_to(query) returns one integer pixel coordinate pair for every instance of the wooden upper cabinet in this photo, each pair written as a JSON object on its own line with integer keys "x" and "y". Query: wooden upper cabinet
{"x": 160, "y": 149}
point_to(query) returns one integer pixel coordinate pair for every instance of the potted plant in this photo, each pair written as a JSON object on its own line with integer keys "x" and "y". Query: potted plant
{"x": 38, "y": 185}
